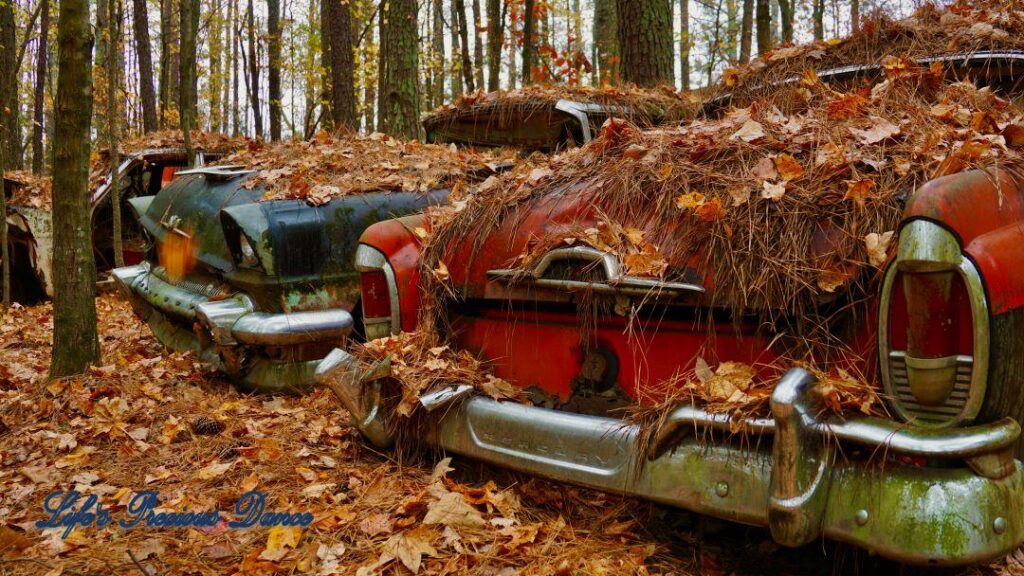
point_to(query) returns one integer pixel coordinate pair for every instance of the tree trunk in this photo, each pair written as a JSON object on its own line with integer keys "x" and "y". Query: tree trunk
{"x": 336, "y": 20}
{"x": 254, "y": 73}
{"x": 854, "y": 16}
{"x": 786, "y": 12}
{"x": 228, "y": 67}
{"x": 645, "y": 41}
{"x": 818, "y": 14}
{"x": 746, "y": 31}
{"x": 478, "y": 47}
{"x": 684, "y": 43}
{"x": 495, "y": 33}
{"x": 467, "y": 64}
{"x": 214, "y": 85}
{"x": 140, "y": 20}
{"x": 764, "y": 26}
{"x": 529, "y": 39}
{"x": 11, "y": 136}
{"x": 606, "y": 42}
{"x": 5, "y": 249}
{"x": 437, "y": 50}
{"x": 113, "y": 66}
{"x": 40, "y": 90}
{"x": 236, "y": 121}
{"x": 399, "y": 98}
{"x": 169, "y": 64}
{"x": 274, "y": 68}
{"x": 186, "y": 75}
{"x": 75, "y": 344}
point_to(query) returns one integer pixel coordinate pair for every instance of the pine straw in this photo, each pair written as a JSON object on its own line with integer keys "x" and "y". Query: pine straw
{"x": 328, "y": 166}
{"x": 648, "y": 106}
{"x": 27, "y": 189}
{"x": 790, "y": 204}
{"x": 933, "y": 29}
{"x": 126, "y": 427}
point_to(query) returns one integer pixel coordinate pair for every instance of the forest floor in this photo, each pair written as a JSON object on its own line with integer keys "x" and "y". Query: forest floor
{"x": 150, "y": 420}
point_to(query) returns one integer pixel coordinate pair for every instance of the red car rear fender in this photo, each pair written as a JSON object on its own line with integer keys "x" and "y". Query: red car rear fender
{"x": 398, "y": 242}
{"x": 985, "y": 210}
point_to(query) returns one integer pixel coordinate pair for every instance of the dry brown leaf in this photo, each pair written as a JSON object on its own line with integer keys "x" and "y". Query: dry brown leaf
{"x": 788, "y": 167}
{"x": 749, "y": 132}
{"x": 859, "y": 191}
{"x": 773, "y": 191}
{"x": 452, "y": 510}
{"x": 280, "y": 541}
{"x": 879, "y": 130}
{"x": 877, "y": 246}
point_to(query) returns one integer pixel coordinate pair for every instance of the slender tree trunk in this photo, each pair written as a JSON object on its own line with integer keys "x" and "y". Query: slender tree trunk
{"x": 437, "y": 50}
{"x": 274, "y": 69}
{"x": 75, "y": 344}
{"x": 140, "y": 20}
{"x": 467, "y": 64}
{"x": 455, "y": 56}
{"x": 11, "y": 136}
{"x": 214, "y": 85}
{"x": 336, "y": 20}
{"x": 606, "y": 42}
{"x": 529, "y": 39}
{"x": 236, "y": 120}
{"x": 645, "y": 41}
{"x": 746, "y": 31}
{"x": 495, "y": 33}
{"x": 513, "y": 72}
{"x": 786, "y": 13}
{"x": 113, "y": 124}
{"x": 169, "y": 64}
{"x": 38, "y": 103}
{"x": 254, "y": 73}
{"x": 764, "y": 26}
{"x": 186, "y": 78}
{"x": 228, "y": 68}
{"x": 854, "y": 16}
{"x": 478, "y": 47}
{"x": 5, "y": 249}
{"x": 399, "y": 99}
{"x": 684, "y": 42}
{"x": 818, "y": 14}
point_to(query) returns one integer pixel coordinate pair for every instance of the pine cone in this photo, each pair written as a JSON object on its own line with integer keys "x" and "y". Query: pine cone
{"x": 206, "y": 426}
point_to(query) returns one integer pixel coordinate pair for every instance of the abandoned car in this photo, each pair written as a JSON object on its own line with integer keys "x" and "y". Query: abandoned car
{"x": 537, "y": 118}
{"x": 252, "y": 264}
{"x": 142, "y": 172}
{"x": 869, "y": 229}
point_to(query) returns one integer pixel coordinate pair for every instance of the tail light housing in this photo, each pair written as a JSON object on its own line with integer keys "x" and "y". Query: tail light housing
{"x": 933, "y": 329}
{"x": 378, "y": 293}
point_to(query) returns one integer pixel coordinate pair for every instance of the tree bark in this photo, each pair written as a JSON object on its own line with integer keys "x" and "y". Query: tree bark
{"x": 113, "y": 66}
{"x": 236, "y": 121}
{"x": 399, "y": 99}
{"x": 186, "y": 75}
{"x": 169, "y": 64}
{"x": 746, "y": 31}
{"x": 10, "y": 138}
{"x": 217, "y": 63}
{"x": 467, "y": 64}
{"x": 75, "y": 344}
{"x": 478, "y": 47}
{"x": 254, "y": 73}
{"x": 336, "y": 18}
{"x": 764, "y": 26}
{"x": 606, "y": 42}
{"x": 140, "y": 21}
{"x": 437, "y": 50}
{"x": 684, "y": 42}
{"x": 38, "y": 103}
{"x": 818, "y": 15}
{"x": 274, "y": 67}
{"x": 495, "y": 34}
{"x": 786, "y": 12}
{"x": 645, "y": 41}
{"x": 854, "y": 16}
{"x": 529, "y": 39}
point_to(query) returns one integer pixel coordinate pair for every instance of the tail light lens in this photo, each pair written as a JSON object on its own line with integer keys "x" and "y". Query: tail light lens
{"x": 933, "y": 329}
{"x": 375, "y": 295}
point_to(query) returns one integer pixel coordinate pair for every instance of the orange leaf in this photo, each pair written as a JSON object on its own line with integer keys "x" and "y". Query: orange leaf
{"x": 788, "y": 167}
{"x": 859, "y": 190}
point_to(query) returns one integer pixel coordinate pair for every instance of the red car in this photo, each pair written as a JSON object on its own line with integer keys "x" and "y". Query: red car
{"x": 935, "y": 482}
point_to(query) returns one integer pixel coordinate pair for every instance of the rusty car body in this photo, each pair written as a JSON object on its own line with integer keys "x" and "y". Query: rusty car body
{"x": 938, "y": 483}
{"x": 141, "y": 173}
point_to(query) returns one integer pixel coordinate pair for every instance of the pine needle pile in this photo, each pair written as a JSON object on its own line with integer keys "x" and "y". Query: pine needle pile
{"x": 327, "y": 167}
{"x": 27, "y": 189}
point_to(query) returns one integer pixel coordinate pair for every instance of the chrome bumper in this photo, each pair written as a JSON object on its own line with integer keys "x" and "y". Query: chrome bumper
{"x": 227, "y": 326}
{"x": 799, "y": 476}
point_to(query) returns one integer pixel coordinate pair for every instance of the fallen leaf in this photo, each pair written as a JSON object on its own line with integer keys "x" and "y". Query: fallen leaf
{"x": 877, "y": 246}
{"x": 773, "y": 191}
{"x": 765, "y": 169}
{"x": 375, "y": 524}
{"x": 410, "y": 547}
{"x": 788, "y": 167}
{"x": 879, "y": 131}
{"x": 859, "y": 190}
{"x": 750, "y": 131}
{"x": 689, "y": 200}
{"x": 452, "y": 510}
{"x": 280, "y": 541}
{"x": 214, "y": 470}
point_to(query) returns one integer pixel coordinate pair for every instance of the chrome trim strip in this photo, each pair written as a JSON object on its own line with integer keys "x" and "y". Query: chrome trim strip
{"x": 979, "y": 316}
{"x": 369, "y": 258}
{"x": 617, "y": 282}
{"x": 581, "y": 110}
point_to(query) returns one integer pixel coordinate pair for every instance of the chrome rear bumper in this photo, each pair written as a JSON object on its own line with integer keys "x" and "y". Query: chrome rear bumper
{"x": 229, "y": 325}
{"x": 799, "y": 476}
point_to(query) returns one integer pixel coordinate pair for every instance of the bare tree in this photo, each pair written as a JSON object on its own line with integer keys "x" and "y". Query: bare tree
{"x": 140, "y": 21}
{"x": 437, "y": 49}
{"x": 495, "y": 34}
{"x": 764, "y": 26}
{"x": 274, "y": 66}
{"x": 113, "y": 67}
{"x": 746, "y": 31}
{"x": 467, "y": 65}
{"x": 684, "y": 42}
{"x": 529, "y": 39}
{"x": 75, "y": 345}
{"x": 38, "y": 103}
{"x": 254, "y": 72}
{"x": 854, "y": 16}
{"x": 787, "y": 9}
{"x": 478, "y": 47}
{"x": 187, "y": 73}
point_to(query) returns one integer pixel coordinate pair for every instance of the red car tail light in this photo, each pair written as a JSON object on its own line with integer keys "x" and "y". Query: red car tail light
{"x": 375, "y": 296}
{"x": 933, "y": 329}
